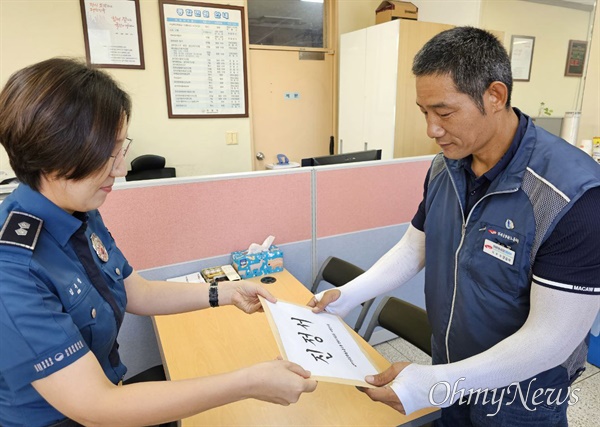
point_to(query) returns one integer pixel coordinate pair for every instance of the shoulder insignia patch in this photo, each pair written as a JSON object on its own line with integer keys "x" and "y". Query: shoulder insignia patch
{"x": 21, "y": 229}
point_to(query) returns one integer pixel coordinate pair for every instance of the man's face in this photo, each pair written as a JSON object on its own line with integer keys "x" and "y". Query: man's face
{"x": 453, "y": 119}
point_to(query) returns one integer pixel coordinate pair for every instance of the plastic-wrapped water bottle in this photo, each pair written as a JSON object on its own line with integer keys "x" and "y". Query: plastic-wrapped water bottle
{"x": 594, "y": 350}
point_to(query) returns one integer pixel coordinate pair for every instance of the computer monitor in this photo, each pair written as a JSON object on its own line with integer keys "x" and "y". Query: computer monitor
{"x": 358, "y": 156}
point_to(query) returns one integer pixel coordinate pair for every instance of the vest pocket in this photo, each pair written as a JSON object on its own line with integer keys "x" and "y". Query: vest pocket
{"x": 496, "y": 258}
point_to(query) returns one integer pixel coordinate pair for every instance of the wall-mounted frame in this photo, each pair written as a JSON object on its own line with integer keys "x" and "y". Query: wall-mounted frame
{"x": 112, "y": 31}
{"x": 521, "y": 57}
{"x": 204, "y": 50}
{"x": 576, "y": 58}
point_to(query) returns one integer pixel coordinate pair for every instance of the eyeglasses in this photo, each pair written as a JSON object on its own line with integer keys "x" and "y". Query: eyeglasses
{"x": 123, "y": 152}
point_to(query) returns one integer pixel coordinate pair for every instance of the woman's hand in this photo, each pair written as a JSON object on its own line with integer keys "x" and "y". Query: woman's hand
{"x": 279, "y": 381}
{"x": 244, "y": 295}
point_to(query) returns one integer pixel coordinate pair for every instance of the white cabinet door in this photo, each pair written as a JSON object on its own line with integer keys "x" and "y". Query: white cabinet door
{"x": 381, "y": 82}
{"x": 352, "y": 91}
{"x": 367, "y": 95}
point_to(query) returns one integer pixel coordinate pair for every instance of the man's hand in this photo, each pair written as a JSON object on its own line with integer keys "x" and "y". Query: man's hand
{"x": 384, "y": 393}
{"x": 328, "y": 297}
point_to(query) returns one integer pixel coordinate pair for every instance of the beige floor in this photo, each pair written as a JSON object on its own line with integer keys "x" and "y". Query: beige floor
{"x": 585, "y": 413}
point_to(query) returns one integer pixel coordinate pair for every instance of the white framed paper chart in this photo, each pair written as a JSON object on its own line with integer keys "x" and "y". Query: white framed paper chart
{"x": 204, "y": 49}
{"x": 321, "y": 343}
{"x": 112, "y": 31}
{"x": 521, "y": 57}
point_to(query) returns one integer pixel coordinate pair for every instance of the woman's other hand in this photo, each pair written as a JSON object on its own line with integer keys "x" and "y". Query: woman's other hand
{"x": 279, "y": 381}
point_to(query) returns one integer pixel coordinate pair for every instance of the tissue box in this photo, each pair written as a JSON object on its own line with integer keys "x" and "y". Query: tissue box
{"x": 252, "y": 265}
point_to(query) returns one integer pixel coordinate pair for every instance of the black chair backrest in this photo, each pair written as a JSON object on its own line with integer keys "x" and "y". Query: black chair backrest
{"x": 147, "y": 162}
{"x": 407, "y": 321}
{"x": 149, "y": 166}
{"x": 12, "y": 180}
{"x": 339, "y": 272}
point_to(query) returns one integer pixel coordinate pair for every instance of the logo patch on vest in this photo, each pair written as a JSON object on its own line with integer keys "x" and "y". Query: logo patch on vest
{"x": 21, "y": 229}
{"x": 502, "y": 234}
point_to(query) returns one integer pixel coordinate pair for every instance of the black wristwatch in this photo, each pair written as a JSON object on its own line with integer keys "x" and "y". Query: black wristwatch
{"x": 213, "y": 295}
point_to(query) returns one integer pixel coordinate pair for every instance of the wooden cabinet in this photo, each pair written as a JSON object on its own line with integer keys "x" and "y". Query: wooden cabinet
{"x": 377, "y": 92}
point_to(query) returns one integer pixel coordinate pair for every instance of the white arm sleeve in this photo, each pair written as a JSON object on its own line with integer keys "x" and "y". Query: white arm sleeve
{"x": 558, "y": 322}
{"x": 393, "y": 269}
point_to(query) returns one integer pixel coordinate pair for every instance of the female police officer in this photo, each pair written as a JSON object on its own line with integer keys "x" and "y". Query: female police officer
{"x": 64, "y": 283}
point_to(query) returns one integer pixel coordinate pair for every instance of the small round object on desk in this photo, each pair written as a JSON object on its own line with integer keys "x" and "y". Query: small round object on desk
{"x": 268, "y": 280}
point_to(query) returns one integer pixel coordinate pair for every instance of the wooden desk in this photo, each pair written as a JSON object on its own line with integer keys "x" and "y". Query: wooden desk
{"x": 219, "y": 340}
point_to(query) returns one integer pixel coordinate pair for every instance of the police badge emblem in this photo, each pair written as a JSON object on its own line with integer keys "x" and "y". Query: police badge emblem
{"x": 99, "y": 247}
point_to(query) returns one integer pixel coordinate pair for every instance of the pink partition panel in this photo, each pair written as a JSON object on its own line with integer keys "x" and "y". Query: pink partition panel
{"x": 353, "y": 199}
{"x": 168, "y": 224}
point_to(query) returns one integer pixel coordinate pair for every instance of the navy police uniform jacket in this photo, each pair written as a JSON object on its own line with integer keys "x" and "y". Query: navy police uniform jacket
{"x": 480, "y": 264}
{"x": 50, "y": 313}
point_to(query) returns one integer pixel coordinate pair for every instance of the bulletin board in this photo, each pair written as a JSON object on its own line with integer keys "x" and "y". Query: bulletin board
{"x": 576, "y": 58}
{"x": 204, "y": 51}
{"x": 112, "y": 32}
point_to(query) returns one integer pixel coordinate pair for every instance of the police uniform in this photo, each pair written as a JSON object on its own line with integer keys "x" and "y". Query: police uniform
{"x": 51, "y": 311}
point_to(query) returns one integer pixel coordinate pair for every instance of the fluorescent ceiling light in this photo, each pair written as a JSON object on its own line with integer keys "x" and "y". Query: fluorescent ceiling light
{"x": 313, "y": 1}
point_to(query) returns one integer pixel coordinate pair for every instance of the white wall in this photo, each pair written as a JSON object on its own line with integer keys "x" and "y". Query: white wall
{"x": 31, "y": 31}
{"x": 590, "y": 110}
{"x": 357, "y": 14}
{"x": 451, "y": 12}
{"x": 552, "y": 28}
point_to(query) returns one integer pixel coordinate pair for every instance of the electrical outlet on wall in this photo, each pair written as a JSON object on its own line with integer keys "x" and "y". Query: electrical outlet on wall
{"x": 231, "y": 138}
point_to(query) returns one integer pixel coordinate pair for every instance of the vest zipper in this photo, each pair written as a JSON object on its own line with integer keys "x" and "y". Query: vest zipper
{"x": 462, "y": 239}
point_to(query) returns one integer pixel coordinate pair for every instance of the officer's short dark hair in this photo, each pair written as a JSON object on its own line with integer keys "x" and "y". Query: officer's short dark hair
{"x": 60, "y": 117}
{"x": 472, "y": 57}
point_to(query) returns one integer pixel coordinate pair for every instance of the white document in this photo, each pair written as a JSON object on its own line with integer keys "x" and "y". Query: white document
{"x": 189, "y": 278}
{"x": 321, "y": 343}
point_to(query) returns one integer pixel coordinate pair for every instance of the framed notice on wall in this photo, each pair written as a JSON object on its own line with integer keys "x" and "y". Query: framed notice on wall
{"x": 112, "y": 31}
{"x": 521, "y": 56}
{"x": 576, "y": 58}
{"x": 204, "y": 49}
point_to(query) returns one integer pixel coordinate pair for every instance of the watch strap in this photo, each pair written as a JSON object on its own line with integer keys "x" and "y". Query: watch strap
{"x": 213, "y": 295}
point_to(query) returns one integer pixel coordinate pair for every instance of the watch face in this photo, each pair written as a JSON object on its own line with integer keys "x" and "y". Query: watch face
{"x": 268, "y": 279}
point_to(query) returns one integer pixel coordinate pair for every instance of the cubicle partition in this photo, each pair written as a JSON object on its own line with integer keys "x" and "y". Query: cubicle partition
{"x": 182, "y": 219}
{"x": 177, "y": 226}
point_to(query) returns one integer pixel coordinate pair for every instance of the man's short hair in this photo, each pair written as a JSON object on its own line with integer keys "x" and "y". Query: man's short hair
{"x": 472, "y": 57}
{"x": 60, "y": 117}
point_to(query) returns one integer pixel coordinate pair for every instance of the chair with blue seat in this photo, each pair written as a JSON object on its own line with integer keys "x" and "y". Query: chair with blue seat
{"x": 338, "y": 272}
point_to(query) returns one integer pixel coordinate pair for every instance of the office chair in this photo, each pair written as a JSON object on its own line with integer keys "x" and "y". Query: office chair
{"x": 12, "y": 180}
{"x": 403, "y": 319}
{"x": 339, "y": 272}
{"x": 149, "y": 166}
